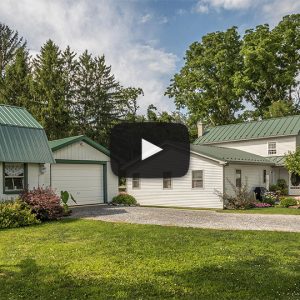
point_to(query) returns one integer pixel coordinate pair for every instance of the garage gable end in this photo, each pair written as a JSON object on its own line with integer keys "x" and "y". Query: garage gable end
{"x": 79, "y": 148}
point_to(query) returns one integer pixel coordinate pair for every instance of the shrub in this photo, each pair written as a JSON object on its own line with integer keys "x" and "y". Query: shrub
{"x": 273, "y": 188}
{"x": 125, "y": 199}
{"x": 241, "y": 198}
{"x": 282, "y": 186}
{"x": 16, "y": 214}
{"x": 288, "y": 201}
{"x": 270, "y": 198}
{"x": 44, "y": 203}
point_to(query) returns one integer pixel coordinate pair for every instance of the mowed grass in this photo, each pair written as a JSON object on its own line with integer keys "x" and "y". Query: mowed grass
{"x": 81, "y": 259}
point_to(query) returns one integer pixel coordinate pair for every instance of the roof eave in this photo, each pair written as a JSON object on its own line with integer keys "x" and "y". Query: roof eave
{"x": 242, "y": 140}
{"x": 84, "y": 139}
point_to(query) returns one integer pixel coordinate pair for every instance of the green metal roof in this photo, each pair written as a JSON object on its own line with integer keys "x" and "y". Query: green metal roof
{"x": 277, "y": 160}
{"x": 230, "y": 155}
{"x": 17, "y": 116}
{"x": 61, "y": 143}
{"x": 22, "y": 138}
{"x": 251, "y": 130}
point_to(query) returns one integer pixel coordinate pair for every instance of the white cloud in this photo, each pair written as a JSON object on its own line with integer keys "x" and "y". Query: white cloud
{"x": 102, "y": 27}
{"x": 269, "y": 10}
{"x": 145, "y": 18}
{"x": 279, "y": 8}
{"x": 203, "y": 6}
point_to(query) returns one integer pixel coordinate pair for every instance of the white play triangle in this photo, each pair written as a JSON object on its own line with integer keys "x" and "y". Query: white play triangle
{"x": 149, "y": 149}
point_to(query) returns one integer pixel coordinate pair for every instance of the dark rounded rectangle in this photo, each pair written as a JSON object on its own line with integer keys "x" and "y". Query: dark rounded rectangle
{"x": 126, "y": 149}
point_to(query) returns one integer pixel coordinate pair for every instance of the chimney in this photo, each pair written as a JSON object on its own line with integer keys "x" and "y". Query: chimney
{"x": 200, "y": 128}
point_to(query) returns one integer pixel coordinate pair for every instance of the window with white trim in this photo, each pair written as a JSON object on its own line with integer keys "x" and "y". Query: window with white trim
{"x": 136, "y": 181}
{"x": 272, "y": 148}
{"x": 197, "y": 179}
{"x": 14, "y": 177}
{"x": 167, "y": 180}
{"x": 264, "y": 176}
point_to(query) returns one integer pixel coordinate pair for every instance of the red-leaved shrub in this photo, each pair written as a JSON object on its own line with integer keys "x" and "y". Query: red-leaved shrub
{"x": 44, "y": 203}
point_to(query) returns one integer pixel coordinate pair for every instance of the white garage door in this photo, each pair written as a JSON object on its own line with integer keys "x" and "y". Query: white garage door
{"x": 83, "y": 181}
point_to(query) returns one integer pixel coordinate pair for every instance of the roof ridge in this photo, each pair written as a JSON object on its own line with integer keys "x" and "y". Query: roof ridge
{"x": 13, "y": 106}
{"x": 255, "y": 121}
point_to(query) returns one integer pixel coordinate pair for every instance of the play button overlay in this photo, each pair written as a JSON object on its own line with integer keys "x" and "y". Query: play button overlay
{"x": 149, "y": 149}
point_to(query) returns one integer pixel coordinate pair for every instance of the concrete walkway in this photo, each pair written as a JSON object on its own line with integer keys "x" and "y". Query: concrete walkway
{"x": 189, "y": 218}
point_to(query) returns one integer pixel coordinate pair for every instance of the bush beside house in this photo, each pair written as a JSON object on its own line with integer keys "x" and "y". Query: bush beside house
{"x": 124, "y": 199}
{"x": 16, "y": 214}
{"x": 44, "y": 203}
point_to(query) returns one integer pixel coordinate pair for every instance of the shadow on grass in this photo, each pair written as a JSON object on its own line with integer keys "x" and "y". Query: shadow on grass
{"x": 97, "y": 210}
{"x": 246, "y": 279}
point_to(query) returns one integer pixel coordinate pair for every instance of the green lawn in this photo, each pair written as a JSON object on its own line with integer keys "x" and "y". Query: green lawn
{"x": 80, "y": 259}
{"x": 266, "y": 210}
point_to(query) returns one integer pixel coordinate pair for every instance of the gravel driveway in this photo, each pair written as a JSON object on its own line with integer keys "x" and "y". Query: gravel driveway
{"x": 189, "y": 218}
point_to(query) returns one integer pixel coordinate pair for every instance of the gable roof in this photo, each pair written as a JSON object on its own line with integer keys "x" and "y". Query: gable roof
{"x": 22, "y": 138}
{"x": 17, "y": 116}
{"x": 284, "y": 126}
{"x": 228, "y": 155}
{"x": 61, "y": 143}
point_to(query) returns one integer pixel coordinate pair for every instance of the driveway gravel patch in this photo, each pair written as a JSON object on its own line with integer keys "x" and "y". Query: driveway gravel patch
{"x": 189, "y": 218}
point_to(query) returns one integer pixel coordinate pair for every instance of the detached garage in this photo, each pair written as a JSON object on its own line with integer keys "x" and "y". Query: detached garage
{"x": 83, "y": 169}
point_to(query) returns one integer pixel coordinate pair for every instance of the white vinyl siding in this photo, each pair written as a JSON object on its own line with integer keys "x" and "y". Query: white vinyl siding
{"x": 182, "y": 194}
{"x": 252, "y": 175}
{"x": 260, "y": 146}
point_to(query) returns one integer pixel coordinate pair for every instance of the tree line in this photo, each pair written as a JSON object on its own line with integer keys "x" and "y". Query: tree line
{"x": 227, "y": 78}
{"x": 68, "y": 94}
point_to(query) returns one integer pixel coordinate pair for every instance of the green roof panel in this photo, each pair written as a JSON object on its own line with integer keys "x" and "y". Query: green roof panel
{"x": 284, "y": 126}
{"x": 22, "y": 138}
{"x": 277, "y": 160}
{"x": 17, "y": 116}
{"x": 230, "y": 155}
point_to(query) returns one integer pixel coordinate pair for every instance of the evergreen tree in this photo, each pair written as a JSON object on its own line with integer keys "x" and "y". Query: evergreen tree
{"x": 84, "y": 89}
{"x": 49, "y": 92}
{"x": 70, "y": 70}
{"x": 16, "y": 89}
{"x": 10, "y": 42}
{"x": 105, "y": 105}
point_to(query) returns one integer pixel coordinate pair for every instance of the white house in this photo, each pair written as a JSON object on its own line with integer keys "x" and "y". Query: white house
{"x": 75, "y": 164}
{"x": 251, "y": 153}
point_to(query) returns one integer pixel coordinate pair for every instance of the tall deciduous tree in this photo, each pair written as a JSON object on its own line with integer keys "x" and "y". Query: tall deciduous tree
{"x": 49, "y": 91}
{"x": 205, "y": 85}
{"x": 16, "y": 89}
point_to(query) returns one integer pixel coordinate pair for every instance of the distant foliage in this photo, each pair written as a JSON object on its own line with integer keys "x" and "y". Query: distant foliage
{"x": 16, "y": 214}
{"x": 292, "y": 161}
{"x": 124, "y": 199}
{"x": 44, "y": 203}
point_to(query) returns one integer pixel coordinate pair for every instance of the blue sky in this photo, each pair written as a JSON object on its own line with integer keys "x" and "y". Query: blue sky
{"x": 144, "y": 40}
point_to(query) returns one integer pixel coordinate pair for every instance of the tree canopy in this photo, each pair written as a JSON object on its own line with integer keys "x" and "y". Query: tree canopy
{"x": 227, "y": 78}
